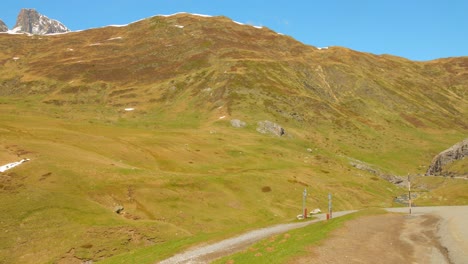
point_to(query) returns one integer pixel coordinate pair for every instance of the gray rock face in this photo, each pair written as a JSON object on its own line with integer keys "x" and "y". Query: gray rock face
{"x": 456, "y": 152}
{"x": 3, "y": 27}
{"x": 30, "y": 21}
{"x": 238, "y": 123}
{"x": 390, "y": 178}
{"x": 268, "y": 127}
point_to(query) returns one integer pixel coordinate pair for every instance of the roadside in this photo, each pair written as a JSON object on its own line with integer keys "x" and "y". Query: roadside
{"x": 452, "y": 231}
{"x": 386, "y": 239}
{"x": 428, "y": 235}
{"x": 208, "y": 253}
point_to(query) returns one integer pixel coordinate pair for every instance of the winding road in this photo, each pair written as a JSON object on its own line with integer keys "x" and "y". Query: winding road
{"x": 453, "y": 233}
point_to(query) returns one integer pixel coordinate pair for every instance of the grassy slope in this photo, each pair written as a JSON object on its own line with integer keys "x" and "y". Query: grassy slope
{"x": 183, "y": 174}
{"x": 173, "y": 183}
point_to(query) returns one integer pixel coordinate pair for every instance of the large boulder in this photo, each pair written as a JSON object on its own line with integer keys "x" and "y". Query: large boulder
{"x": 238, "y": 123}
{"x": 268, "y": 127}
{"x": 456, "y": 152}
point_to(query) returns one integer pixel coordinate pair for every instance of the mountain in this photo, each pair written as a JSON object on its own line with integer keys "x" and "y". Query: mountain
{"x": 173, "y": 130}
{"x": 30, "y": 21}
{"x": 3, "y": 26}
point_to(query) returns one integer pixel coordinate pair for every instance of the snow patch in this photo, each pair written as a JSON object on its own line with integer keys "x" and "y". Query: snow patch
{"x": 70, "y": 49}
{"x": 95, "y": 44}
{"x": 118, "y": 25}
{"x": 222, "y": 117}
{"x": 116, "y": 38}
{"x": 201, "y": 15}
{"x": 242, "y": 24}
{"x": 129, "y": 109}
{"x": 179, "y": 26}
{"x": 12, "y": 165}
{"x": 185, "y": 13}
{"x": 322, "y": 48}
{"x": 16, "y": 58}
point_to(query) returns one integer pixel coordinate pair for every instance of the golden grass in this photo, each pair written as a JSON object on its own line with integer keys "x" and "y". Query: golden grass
{"x": 182, "y": 172}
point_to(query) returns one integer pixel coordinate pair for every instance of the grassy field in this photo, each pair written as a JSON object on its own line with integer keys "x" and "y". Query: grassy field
{"x": 178, "y": 185}
{"x": 183, "y": 174}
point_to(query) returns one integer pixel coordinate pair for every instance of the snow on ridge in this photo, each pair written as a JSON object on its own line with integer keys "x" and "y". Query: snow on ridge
{"x": 118, "y": 25}
{"x": 185, "y": 13}
{"x": 17, "y": 31}
{"x": 59, "y": 33}
{"x": 242, "y": 24}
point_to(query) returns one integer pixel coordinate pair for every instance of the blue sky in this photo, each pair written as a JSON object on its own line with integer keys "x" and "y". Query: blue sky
{"x": 414, "y": 29}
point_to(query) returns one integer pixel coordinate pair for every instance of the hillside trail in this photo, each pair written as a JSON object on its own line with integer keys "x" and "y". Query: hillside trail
{"x": 428, "y": 235}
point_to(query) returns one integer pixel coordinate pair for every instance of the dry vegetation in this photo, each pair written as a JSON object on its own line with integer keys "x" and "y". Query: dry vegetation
{"x": 182, "y": 174}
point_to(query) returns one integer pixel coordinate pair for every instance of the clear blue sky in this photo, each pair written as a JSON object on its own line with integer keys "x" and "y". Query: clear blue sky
{"x": 414, "y": 29}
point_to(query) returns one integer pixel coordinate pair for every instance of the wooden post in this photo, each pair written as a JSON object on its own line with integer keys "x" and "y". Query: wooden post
{"x": 304, "y": 209}
{"x": 409, "y": 194}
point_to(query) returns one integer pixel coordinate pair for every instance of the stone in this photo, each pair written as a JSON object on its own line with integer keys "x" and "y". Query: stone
{"x": 238, "y": 123}
{"x": 118, "y": 209}
{"x": 3, "y": 26}
{"x": 268, "y": 127}
{"x": 455, "y": 152}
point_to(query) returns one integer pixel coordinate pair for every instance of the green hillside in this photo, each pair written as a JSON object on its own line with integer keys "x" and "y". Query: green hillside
{"x": 181, "y": 171}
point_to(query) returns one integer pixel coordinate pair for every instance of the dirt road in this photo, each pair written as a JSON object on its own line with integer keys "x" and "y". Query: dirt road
{"x": 206, "y": 253}
{"x": 428, "y": 235}
{"x": 452, "y": 230}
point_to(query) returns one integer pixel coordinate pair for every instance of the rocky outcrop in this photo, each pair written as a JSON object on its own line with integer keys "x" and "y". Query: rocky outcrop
{"x": 397, "y": 180}
{"x": 268, "y": 127}
{"x": 456, "y": 152}
{"x": 238, "y": 123}
{"x": 30, "y": 21}
{"x": 3, "y": 27}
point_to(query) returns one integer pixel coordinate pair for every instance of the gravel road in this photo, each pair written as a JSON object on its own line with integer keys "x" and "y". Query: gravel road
{"x": 206, "y": 253}
{"x": 452, "y": 233}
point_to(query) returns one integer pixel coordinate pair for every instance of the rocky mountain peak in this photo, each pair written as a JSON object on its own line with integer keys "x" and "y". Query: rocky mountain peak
{"x": 3, "y": 27}
{"x": 31, "y": 21}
